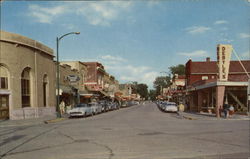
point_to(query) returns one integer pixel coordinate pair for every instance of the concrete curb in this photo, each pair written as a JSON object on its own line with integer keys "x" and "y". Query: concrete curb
{"x": 186, "y": 117}
{"x": 210, "y": 118}
{"x": 54, "y": 120}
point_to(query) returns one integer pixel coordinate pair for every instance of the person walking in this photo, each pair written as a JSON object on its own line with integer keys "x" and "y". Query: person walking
{"x": 62, "y": 107}
{"x": 226, "y": 110}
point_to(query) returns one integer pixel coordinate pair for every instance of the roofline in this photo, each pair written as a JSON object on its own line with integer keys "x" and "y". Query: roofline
{"x": 33, "y": 44}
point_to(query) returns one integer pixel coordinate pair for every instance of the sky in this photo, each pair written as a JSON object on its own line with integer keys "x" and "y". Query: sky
{"x": 134, "y": 40}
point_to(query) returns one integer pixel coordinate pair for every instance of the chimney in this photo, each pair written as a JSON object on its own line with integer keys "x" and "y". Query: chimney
{"x": 208, "y": 59}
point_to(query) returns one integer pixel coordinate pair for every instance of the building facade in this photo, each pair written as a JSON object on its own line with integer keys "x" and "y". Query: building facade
{"x": 79, "y": 85}
{"x": 209, "y": 88}
{"x": 27, "y": 74}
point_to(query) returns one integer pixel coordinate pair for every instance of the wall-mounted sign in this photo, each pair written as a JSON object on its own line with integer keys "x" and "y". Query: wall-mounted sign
{"x": 223, "y": 61}
{"x": 73, "y": 78}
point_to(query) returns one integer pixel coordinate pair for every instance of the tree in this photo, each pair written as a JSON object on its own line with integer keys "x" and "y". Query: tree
{"x": 142, "y": 89}
{"x": 161, "y": 82}
{"x": 152, "y": 94}
{"x": 179, "y": 69}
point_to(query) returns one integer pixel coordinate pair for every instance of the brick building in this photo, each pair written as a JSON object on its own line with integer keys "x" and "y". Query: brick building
{"x": 205, "y": 92}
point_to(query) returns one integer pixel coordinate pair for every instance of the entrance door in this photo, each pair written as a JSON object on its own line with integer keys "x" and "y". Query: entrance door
{"x": 4, "y": 106}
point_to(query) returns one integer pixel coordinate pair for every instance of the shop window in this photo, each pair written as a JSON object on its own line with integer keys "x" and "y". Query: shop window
{"x": 25, "y": 87}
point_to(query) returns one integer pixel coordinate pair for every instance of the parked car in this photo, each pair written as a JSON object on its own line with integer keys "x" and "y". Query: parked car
{"x": 113, "y": 105}
{"x": 170, "y": 107}
{"x": 95, "y": 107}
{"x": 104, "y": 104}
{"x": 124, "y": 104}
{"x": 80, "y": 110}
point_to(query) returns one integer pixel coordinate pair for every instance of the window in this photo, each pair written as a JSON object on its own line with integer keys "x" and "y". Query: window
{"x": 204, "y": 77}
{"x": 45, "y": 89}
{"x": 4, "y": 82}
{"x": 3, "y": 78}
{"x": 25, "y": 87}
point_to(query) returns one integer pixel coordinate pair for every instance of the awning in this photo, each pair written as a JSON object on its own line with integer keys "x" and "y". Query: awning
{"x": 87, "y": 94}
{"x": 104, "y": 93}
{"x": 65, "y": 89}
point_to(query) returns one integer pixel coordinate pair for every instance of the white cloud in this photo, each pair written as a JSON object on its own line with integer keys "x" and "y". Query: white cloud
{"x": 70, "y": 26}
{"x": 226, "y": 40}
{"x": 197, "y": 53}
{"x": 221, "y": 22}
{"x": 244, "y": 35}
{"x": 113, "y": 58}
{"x": 101, "y": 13}
{"x": 45, "y": 15}
{"x": 197, "y": 29}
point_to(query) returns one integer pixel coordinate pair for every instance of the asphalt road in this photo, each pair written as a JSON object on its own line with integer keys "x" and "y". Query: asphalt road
{"x": 137, "y": 132}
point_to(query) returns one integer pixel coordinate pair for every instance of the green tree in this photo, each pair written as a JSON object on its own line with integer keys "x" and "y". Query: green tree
{"x": 161, "y": 82}
{"x": 179, "y": 69}
{"x": 152, "y": 94}
{"x": 142, "y": 89}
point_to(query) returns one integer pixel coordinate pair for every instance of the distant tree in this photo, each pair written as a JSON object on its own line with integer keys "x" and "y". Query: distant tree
{"x": 142, "y": 89}
{"x": 152, "y": 94}
{"x": 161, "y": 82}
{"x": 179, "y": 69}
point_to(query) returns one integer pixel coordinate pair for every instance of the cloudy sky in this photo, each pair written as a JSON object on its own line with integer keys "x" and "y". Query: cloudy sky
{"x": 135, "y": 40}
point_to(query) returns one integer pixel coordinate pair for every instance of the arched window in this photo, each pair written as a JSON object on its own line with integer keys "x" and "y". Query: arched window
{"x": 25, "y": 86}
{"x": 45, "y": 90}
{"x": 3, "y": 78}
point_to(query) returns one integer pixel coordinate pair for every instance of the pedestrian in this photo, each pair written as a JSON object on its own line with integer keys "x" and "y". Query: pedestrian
{"x": 226, "y": 110}
{"x": 231, "y": 110}
{"x": 62, "y": 107}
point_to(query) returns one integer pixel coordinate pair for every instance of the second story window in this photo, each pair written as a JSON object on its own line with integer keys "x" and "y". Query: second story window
{"x": 3, "y": 78}
{"x": 204, "y": 77}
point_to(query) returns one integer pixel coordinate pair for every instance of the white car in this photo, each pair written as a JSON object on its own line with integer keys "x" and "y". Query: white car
{"x": 80, "y": 110}
{"x": 95, "y": 107}
{"x": 170, "y": 107}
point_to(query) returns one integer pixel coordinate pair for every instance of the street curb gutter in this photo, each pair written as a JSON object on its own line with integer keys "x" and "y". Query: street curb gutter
{"x": 54, "y": 120}
{"x": 186, "y": 117}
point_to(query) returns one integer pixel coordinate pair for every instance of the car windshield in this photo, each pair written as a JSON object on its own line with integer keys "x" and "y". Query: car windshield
{"x": 81, "y": 105}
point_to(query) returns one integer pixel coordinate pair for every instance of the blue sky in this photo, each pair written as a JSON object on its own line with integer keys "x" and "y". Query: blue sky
{"x": 135, "y": 40}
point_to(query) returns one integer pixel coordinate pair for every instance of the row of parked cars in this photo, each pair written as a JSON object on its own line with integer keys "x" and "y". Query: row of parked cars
{"x": 94, "y": 108}
{"x": 167, "y": 106}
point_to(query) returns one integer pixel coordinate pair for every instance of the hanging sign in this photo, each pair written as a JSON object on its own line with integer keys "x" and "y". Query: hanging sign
{"x": 223, "y": 61}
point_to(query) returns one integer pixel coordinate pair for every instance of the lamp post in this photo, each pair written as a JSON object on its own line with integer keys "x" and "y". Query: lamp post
{"x": 57, "y": 70}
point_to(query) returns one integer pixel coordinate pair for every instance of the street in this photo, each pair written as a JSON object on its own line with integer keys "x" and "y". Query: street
{"x": 138, "y": 132}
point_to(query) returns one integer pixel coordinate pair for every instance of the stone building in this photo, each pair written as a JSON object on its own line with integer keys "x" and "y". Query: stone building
{"x": 27, "y": 74}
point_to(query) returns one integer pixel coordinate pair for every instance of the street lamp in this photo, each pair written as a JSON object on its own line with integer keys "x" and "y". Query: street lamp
{"x": 57, "y": 64}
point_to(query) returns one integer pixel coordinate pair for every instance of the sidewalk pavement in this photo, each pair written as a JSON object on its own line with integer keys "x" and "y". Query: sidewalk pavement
{"x": 207, "y": 116}
{"x": 33, "y": 121}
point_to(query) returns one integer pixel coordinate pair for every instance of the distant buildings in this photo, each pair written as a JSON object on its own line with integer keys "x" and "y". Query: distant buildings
{"x": 28, "y": 79}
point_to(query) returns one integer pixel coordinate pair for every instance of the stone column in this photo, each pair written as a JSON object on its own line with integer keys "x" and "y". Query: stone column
{"x": 220, "y": 91}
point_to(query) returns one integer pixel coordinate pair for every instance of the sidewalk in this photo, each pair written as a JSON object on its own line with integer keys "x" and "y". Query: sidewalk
{"x": 30, "y": 122}
{"x": 207, "y": 116}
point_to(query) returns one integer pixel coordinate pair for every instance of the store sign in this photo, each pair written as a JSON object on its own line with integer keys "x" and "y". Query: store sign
{"x": 223, "y": 61}
{"x": 73, "y": 78}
